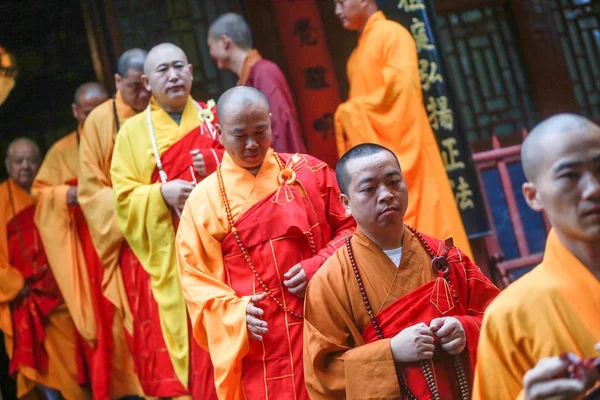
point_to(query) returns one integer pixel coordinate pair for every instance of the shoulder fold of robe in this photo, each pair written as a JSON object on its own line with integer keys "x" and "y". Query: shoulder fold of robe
{"x": 385, "y": 106}
{"x": 96, "y": 197}
{"x": 53, "y": 217}
{"x": 549, "y": 311}
{"x": 145, "y": 218}
{"x": 337, "y": 360}
{"x": 218, "y": 313}
{"x": 266, "y": 76}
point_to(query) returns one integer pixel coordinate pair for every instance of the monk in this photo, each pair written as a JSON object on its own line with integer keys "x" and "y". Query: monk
{"x": 385, "y": 106}
{"x": 159, "y": 155}
{"x": 96, "y": 198}
{"x": 250, "y": 238}
{"x": 75, "y": 263}
{"x": 393, "y": 313}
{"x": 230, "y": 44}
{"x": 553, "y": 309}
{"x": 38, "y": 331}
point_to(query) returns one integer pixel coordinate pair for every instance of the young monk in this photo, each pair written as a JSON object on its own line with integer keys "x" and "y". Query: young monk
{"x": 74, "y": 260}
{"x": 553, "y": 309}
{"x": 230, "y": 43}
{"x": 159, "y": 155}
{"x": 38, "y": 330}
{"x": 250, "y": 239}
{"x": 393, "y": 313}
{"x": 385, "y": 106}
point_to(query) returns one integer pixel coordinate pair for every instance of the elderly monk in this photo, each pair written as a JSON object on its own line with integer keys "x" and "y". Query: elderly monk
{"x": 96, "y": 196}
{"x": 385, "y": 106}
{"x": 74, "y": 261}
{"x": 394, "y": 313}
{"x": 251, "y": 237}
{"x": 159, "y": 156}
{"x": 554, "y": 308}
{"x": 230, "y": 43}
{"x": 38, "y": 331}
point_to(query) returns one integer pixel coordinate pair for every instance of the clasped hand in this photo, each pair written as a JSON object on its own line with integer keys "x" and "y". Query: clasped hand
{"x": 417, "y": 342}
{"x": 176, "y": 192}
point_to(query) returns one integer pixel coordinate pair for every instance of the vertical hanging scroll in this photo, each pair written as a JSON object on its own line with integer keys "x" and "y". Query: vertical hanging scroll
{"x": 311, "y": 71}
{"x": 416, "y": 16}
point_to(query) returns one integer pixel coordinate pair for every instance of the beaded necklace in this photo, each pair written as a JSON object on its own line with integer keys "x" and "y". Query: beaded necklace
{"x": 439, "y": 264}
{"x": 286, "y": 176}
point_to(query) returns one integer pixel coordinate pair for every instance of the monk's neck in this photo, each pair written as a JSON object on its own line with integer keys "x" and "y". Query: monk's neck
{"x": 586, "y": 252}
{"x": 238, "y": 57}
{"x": 389, "y": 239}
{"x": 371, "y": 9}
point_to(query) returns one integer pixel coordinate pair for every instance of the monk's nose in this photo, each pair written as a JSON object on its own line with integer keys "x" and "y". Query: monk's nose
{"x": 591, "y": 189}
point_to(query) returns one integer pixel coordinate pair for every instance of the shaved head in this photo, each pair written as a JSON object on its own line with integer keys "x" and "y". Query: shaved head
{"x": 87, "y": 97}
{"x": 22, "y": 161}
{"x": 132, "y": 59}
{"x": 233, "y": 26}
{"x": 237, "y": 98}
{"x": 157, "y": 54}
{"x": 550, "y": 133}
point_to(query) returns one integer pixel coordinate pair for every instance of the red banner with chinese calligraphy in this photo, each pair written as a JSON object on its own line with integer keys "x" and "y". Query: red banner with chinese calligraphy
{"x": 311, "y": 70}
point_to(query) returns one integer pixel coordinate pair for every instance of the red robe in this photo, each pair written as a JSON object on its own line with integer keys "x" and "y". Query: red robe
{"x": 153, "y": 363}
{"x": 343, "y": 355}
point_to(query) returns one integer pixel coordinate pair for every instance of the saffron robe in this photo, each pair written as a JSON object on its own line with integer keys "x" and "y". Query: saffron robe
{"x": 79, "y": 273}
{"x": 147, "y": 224}
{"x": 38, "y": 331}
{"x": 266, "y": 76}
{"x": 549, "y": 311}
{"x": 96, "y": 197}
{"x": 344, "y": 358}
{"x": 385, "y": 106}
{"x": 275, "y": 225}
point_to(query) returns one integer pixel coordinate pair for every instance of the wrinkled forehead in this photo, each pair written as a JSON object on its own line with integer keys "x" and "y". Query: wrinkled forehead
{"x": 575, "y": 147}
{"x": 166, "y": 56}
{"x": 243, "y": 113}
{"x": 376, "y": 166}
{"x": 22, "y": 150}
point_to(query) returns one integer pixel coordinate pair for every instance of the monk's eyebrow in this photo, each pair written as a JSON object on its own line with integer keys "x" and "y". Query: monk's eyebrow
{"x": 365, "y": 180}
{"x": 566, "y": 165}
{"x": 392, "y": 174}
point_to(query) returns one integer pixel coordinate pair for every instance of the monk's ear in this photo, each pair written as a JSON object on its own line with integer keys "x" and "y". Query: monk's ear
{"x": 146, "y": 83}
{"x": 227, "y": 42}
{"x": 219, "y": 132}
{"x": 191, "y": 68}
{"x": 346, "y": 203}
{"x": 118, "y": 81}
{"x": 532, "y": 197}
{"x": 74, "y": 110}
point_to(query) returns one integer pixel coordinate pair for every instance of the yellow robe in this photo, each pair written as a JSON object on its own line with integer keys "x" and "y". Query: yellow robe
{"x": 551, "y": 310}
{"x": 60, "y": 339}
{"x": 145, "y": 219}
{"x": 66, "y": 258}
{"x": 385, "y": 106}
{"x": 59, "y": 233}
{"x": 96, "y": 197}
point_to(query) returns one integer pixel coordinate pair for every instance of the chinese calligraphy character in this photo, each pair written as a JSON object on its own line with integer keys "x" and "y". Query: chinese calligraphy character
{"x": 450, "y": 154}
{"x": 439, "y": 113}
{"x": 411, "y": 5}
{"x": 324, "y": 125}
{"x": 463, "y": 193}
{"x": 429, "y": 74}
{"x": 305, "y": 32}
{"x": 315, "y": 77}
{"x": 420, "y": 34}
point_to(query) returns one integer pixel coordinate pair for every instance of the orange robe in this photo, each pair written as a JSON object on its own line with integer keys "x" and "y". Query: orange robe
{"x": 385, "y": 106}
{"x": 549, "y": 311}
{"x": 174, "y": 364}
{"x": 79, "y": 273}
{"x": 59, "y": 342}
{"x": 343, "y": 358}
{"x": 96, "y": 197}
{"x": 276, "y": 225}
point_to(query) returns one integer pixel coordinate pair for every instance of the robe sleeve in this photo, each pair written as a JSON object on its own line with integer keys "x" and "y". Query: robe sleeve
{"x": 97, "y": 201}
{"x": 341, "y": 225}
{"x": 368, "y": 118}
{"x": 287, "y": 135}
{"x": 11, "y": 280}
{"x": 218, "y": 315}
{"x": 336, "y": 364}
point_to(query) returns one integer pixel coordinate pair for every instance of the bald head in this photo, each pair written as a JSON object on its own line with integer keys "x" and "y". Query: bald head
{"x": 236, "y": 99}
{"x": 168, "y": 75}
{"x": 22, "y": 161}
{"x": 87, "y": 97}
{"x": 235, "y": 27}
{"x": 128, "y": 79}
{"x": 132, "y": 59}
{"x": 550, "y": 133}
